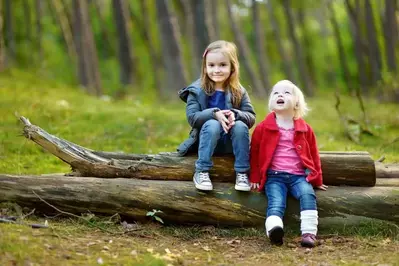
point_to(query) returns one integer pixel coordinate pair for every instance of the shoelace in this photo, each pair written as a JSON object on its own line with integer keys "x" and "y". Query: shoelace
{"x": 204, "y": 177}
{"x": 242, "y": 178}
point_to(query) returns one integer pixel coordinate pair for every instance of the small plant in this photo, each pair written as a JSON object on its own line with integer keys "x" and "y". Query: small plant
{"x": 154, "y": 216}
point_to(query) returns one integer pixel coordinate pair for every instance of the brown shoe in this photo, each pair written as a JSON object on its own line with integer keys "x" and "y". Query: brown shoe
{"x": 308, "y": 240}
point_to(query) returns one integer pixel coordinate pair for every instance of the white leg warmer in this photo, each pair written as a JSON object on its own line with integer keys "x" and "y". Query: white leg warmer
{"x": 309, "y": 221}
{"x": 273, "y": 221}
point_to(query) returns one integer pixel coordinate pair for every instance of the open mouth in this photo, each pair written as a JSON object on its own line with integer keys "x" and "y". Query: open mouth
{"x": 280, "y": 101}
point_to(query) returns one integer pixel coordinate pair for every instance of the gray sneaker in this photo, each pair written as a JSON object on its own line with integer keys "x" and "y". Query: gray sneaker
{"x": 242, "y": 183}
{"x": 202, "y": 181}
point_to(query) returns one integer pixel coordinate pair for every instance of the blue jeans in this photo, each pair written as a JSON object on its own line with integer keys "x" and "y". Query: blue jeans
{"x": 277, "y": 186}
{"x": 213, "y": 140}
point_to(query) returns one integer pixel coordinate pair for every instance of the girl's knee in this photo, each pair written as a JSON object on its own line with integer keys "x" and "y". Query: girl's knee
{"x": 240, "y": 128}
{"x": 211, "y": 126}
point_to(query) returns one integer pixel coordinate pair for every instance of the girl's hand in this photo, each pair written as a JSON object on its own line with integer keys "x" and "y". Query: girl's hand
{"x": 254, "y": 186}
{"x": 230, "y": 117}
{"x": 322, "y": 187}
{"x": 221, "y": 117}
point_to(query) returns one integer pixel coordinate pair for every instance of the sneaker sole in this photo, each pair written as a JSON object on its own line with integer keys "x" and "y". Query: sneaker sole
{"x": 239, "y": 188}
{"x": 200, "y": 187}
{"x": 276, "y": 235}
{"x": 307, "y": 245}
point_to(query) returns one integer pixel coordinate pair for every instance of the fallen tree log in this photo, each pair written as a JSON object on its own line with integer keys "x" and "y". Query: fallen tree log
{"x": 339, "y": 168}
{"x": 387, "y": 170}
{"x": 181, "y": 203}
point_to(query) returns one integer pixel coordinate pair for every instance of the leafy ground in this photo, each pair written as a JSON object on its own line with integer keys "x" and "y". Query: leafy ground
{"x": 143, "y": 124}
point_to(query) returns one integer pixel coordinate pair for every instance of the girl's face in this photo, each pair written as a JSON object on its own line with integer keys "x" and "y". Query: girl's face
{"x": 283, "y": 99}
{"x": 218, "y": 67}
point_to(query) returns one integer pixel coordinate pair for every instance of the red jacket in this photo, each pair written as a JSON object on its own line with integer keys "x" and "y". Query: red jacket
{"x": 264, "y": 142}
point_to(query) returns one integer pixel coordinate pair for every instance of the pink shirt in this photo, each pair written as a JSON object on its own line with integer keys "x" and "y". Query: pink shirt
{"x": 285, "y": 157}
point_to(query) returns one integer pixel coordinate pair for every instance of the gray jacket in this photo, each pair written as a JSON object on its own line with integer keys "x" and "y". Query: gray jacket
{"x": 198, "y": 113}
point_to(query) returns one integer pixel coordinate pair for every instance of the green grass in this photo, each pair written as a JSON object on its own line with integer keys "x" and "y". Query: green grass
{"x": 142, "y": 124}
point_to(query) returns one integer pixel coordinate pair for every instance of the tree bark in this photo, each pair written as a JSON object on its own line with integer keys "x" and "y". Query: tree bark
{"x": 287, "y": 65}
{"x": 125, "y": 53}
{"x": 2, "y": 45}
{"x": 212, "y": 8}
{"x": 374, "y": 50}
{"x": 339, "y": 168}
{"x": 200, "y": 28}
{"x": 181, "y": 203}
{"x": 38, "y": 9}
{"x": 341, "y": 52}
{"x": 263, "y": 61}
{"x": 106, "y": 40}
{"x": 244, "y": 51}
{"x": 171, "y": 52}
{"x": 391, "y": 34}
{"x": 300, "y": 59}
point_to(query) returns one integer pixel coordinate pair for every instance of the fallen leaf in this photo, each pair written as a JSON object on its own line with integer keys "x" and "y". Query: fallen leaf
{"x": 167, "y": 251}
{"x": 206, "y": 248}
{"x": 100, "y": 261}
{"x": 106, "y": 248}
{"x": 133, "y": 253}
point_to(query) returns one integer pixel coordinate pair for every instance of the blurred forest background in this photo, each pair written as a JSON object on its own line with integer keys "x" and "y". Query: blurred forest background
{"x": 118, "y": 47}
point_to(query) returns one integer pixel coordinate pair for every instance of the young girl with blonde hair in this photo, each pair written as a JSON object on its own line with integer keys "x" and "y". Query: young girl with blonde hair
{"x": 220, "y": 114}
{"x": 285, "y": 158}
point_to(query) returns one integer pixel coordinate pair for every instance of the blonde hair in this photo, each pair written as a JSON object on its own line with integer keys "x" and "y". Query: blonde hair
{"x": 301, "y": 107}
{"x": 229, "y": 49}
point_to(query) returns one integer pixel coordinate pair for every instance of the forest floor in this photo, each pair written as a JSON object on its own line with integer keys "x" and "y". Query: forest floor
{"x": 136, "y": 124}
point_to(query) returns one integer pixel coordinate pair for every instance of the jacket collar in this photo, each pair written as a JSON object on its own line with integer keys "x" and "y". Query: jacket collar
{"x": 270, "y": 123}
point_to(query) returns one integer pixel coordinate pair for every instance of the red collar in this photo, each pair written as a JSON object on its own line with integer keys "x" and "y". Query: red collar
{"x": 270, "y": 123}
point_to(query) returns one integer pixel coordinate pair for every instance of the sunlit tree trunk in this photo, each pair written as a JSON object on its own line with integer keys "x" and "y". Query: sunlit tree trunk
{"x": 391, "y": 34}
{"x": 287, "y": 66}
{"x": 212, "y": 9}
{"x": 175, "y": 77}
{"x": 88, "y": 71}
{"x": 245, "y": 53}
{"x": 341, "y": 52}
{"x": 299, "y": 55}
{"x": 374, "y": 50}
{"x": 263, "y": 61}
{"x": 121, "y": 17}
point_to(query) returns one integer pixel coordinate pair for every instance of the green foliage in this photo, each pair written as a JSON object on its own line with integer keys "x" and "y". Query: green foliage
{"x": 154, "y": 216}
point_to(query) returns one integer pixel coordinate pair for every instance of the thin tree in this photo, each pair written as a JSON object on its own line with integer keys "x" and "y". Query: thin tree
{"x": 340, "y": 46}
{"x": 299, "y": 54}
{"x": 354, "y": 13}
{"x": 287, "y": 66}
{"x": 28, "y": 21}
{"x": 2, "y": 46}
{"x": 200, "y": 28}
{"x": 263, "y": 61}
{"x": 374, "y": 50}
{"x": 189, "y": 33}
{"x": 88, "y": 71}
{"x": 9, "y": 30}
{"x": 125, "y": 53}
{"x": 105, "y": 39}
{"x": 212, "y": 8}
{"x": 171, "y": 52}
{"x": 38, "y": 12}
{"x": 391, "y": 34}
{"x": 244, "y": 52}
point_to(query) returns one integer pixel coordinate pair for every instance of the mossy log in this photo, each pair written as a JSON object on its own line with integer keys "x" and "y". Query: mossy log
{"x": 181, "y": 203}
{"x": 339, "y": 168}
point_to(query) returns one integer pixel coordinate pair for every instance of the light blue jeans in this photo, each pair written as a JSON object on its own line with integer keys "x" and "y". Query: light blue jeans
{"x": 213, "y": 140}
{"x": 277, "y": 186}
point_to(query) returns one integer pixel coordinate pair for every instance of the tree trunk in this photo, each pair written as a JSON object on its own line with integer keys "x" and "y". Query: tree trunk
{"x": 2, "y": 45}
{"x": 171, "y": 51}
{"x": 121, "y": 17}
{"x": 300, "y": 59}
{"x": 181, "y": 203}
{"x": 9, "y": 30}
{"x": 62, "y": 18}
{"x": 245, "y": 53}
{"x": 200, "y": 28}
{"x": 89, "y": 74}
{"x": 38, "y": 9}
{"x": 374, "y": 50}
{"x": 287, "y": 65}
{"x": 106, "y": 40}
{"x": 263, "y": 61}
{"x": 212, "y": 8}
{"x": 28, "y": 21}
{"x": 391, "y": 34}
{"x": 354, "y": 14}
{"x": 340, "y": 46}
{"x": 339, "y": 168}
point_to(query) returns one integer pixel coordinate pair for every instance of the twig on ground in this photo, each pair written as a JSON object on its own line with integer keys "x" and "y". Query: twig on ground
{"x": 28, "y": 214}
{"x": 73, "y": 215}
{"x": 381, "y": 159}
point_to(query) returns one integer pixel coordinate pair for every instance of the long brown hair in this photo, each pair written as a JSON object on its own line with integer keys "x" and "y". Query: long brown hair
{"x": 232, "y": 83}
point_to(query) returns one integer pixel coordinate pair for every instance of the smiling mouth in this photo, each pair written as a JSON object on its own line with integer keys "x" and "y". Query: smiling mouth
{"x": 280, "y": 101}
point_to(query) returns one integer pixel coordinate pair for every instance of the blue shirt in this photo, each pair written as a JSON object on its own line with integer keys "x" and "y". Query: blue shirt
{"x": 218, "y": 99}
